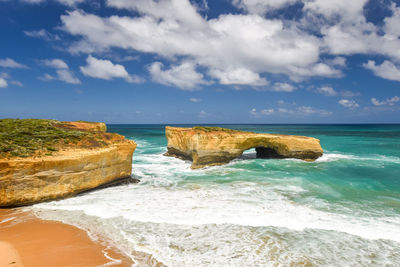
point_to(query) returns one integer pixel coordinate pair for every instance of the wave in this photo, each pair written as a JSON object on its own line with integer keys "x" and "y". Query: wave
{"x": 185, "y": 217}
{"x": 238, "y": 203}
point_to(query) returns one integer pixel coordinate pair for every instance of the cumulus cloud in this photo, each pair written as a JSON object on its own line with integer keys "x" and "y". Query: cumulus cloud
{"x": 42, "y": 34}
{"x": 5, "y": 80}
{"x": 55, "y": 63}
{"x": 181, "y": 10}
{"x": 106, "y": 70}
{"x": 63, "y": 73}
{"x": 352, "y": 33}
{"x": 234, "y": 49}
{"x": 327, "y": 91}
{"x": 351, "y": 104}
{"x": 347, "y": 10}
{"x": 283, "y": 87}
{"x": 262, "y": 6}
{"x": 386, "y": 70}
{"x": 388, "y": 102}
{"x": 238, "y": 76}
{"x": 11, "y": 63}
{"x": 182, "y": 76}
{"x": 3, "y": 83}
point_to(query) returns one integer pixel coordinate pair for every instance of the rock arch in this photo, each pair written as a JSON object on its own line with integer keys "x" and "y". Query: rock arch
{"x": 208, "y": 146}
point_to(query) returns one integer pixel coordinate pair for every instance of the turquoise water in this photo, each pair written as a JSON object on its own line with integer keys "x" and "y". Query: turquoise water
{"x": 342, "y": 210}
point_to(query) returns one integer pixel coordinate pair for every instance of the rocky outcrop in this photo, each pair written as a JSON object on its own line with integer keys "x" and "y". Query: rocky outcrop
{"x": 73, "y": 168}
{"x": 208, "y": 146}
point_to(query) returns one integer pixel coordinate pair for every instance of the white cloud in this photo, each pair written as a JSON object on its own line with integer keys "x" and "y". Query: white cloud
{"x": 67, "y": 76}
{"x": 348, "y": 10}
{"x": 11, "y": 63}
{"x": 283, "y": 87}
{"x": 327, "y": 91}
{"x": 267, "y": 111}
{"x": 47, "y": 77}
{"x": 17, "y": 83}
{"x": 3, "y": 83}
{"x": 70, "y": 2}
{"x": 234, "y": 49}
{"x": 106, "y": 70}
{"x": 55, "y": 63}
{"x": 296, "y": 112}
{"x": 42, "y": 34}
{"x": 349, "y": 93}
{"x": 195, "y": 100}
{"x": 4, "y": 76}
{"x": 182, "y": 76}
{"x": 239, "y": 76}
{"x": 388, "y": 102}
{"x": 386, "y": 70}
{"x": 62, "y": 70}
{"x": 203, "y": 114}
{"x": 180, "y": 10}
{"x": 64, "y": 2}
{"x": 347, "y": 30}
{"x": 262, "y": 6}
{"x": 392, "y": 24}
{"x": 306, "y": 110}
{"x": 338, "y": 61}
{"x": 351, "y": 104}
{"x": 32, "y": 1}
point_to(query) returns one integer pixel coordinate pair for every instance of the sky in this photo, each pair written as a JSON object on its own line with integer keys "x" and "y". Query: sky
{"x": 201, "y": 61}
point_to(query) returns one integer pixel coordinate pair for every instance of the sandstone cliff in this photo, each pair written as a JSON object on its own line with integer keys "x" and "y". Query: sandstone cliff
{"x": 208, "y": 146}
{"x": 81, "y": 156}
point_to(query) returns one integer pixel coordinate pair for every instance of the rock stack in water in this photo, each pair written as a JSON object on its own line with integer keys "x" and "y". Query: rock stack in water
{"x": 208, "y": 146}
{"x": 48, "y": 159}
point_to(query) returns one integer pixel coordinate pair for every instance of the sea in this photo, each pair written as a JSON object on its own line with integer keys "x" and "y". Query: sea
{"x": 341, "y": 210}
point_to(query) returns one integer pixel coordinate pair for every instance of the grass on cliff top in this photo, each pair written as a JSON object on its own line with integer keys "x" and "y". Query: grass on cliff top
{"x": 212, "y": 129}
{"x": 28, "y": 137}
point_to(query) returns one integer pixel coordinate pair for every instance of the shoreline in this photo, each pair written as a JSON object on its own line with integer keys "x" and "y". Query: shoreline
{"x": 26, "y": 240}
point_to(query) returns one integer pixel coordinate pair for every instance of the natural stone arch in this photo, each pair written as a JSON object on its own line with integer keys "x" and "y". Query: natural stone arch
{"x": 208, "y": 146}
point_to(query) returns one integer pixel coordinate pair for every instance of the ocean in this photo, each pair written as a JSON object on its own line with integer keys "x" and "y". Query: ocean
{"x": 342, "y": 210}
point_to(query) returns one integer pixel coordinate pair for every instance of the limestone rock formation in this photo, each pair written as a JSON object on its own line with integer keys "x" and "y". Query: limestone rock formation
{"x": 81, "y": 156}
{"x": 208, "y": 146}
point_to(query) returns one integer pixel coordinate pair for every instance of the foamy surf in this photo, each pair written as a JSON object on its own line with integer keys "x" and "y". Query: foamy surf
{"x": 250, "y": 212}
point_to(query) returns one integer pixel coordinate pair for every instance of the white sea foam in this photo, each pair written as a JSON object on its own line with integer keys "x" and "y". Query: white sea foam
{"x": 238, "y": 203}
{"x": 327, "y": 157}
{"x": 7, "y": 220}
{"x": 183, "y": 222}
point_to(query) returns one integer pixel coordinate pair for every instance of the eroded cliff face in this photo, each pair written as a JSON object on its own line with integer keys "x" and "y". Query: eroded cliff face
{"x": 68, "y": 171}
{"x": 212, "y": 146}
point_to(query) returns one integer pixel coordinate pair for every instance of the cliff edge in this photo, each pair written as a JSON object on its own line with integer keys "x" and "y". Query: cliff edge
{"x": 208, "y": 146}
{"x": 47, "y": 159}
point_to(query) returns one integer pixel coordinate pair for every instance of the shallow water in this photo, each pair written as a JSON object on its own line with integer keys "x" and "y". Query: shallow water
{"x": 342, "y": 210}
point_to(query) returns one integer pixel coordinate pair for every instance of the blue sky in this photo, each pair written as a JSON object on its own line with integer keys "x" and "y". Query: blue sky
{"x": 181, "y": 61}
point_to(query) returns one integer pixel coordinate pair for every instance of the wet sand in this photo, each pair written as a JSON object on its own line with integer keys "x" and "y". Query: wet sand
{"x": 28, "y": 241}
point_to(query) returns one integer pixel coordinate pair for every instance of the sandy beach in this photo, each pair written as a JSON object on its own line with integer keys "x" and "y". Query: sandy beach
{"x": 28, "y": 241}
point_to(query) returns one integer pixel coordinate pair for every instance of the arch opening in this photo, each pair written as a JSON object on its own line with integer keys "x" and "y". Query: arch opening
{"x": 267, "y": 153}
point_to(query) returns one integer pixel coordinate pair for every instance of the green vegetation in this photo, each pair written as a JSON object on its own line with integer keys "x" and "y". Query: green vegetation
{"x": 211, "y": 129}
{"x": 26, "y": 137}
